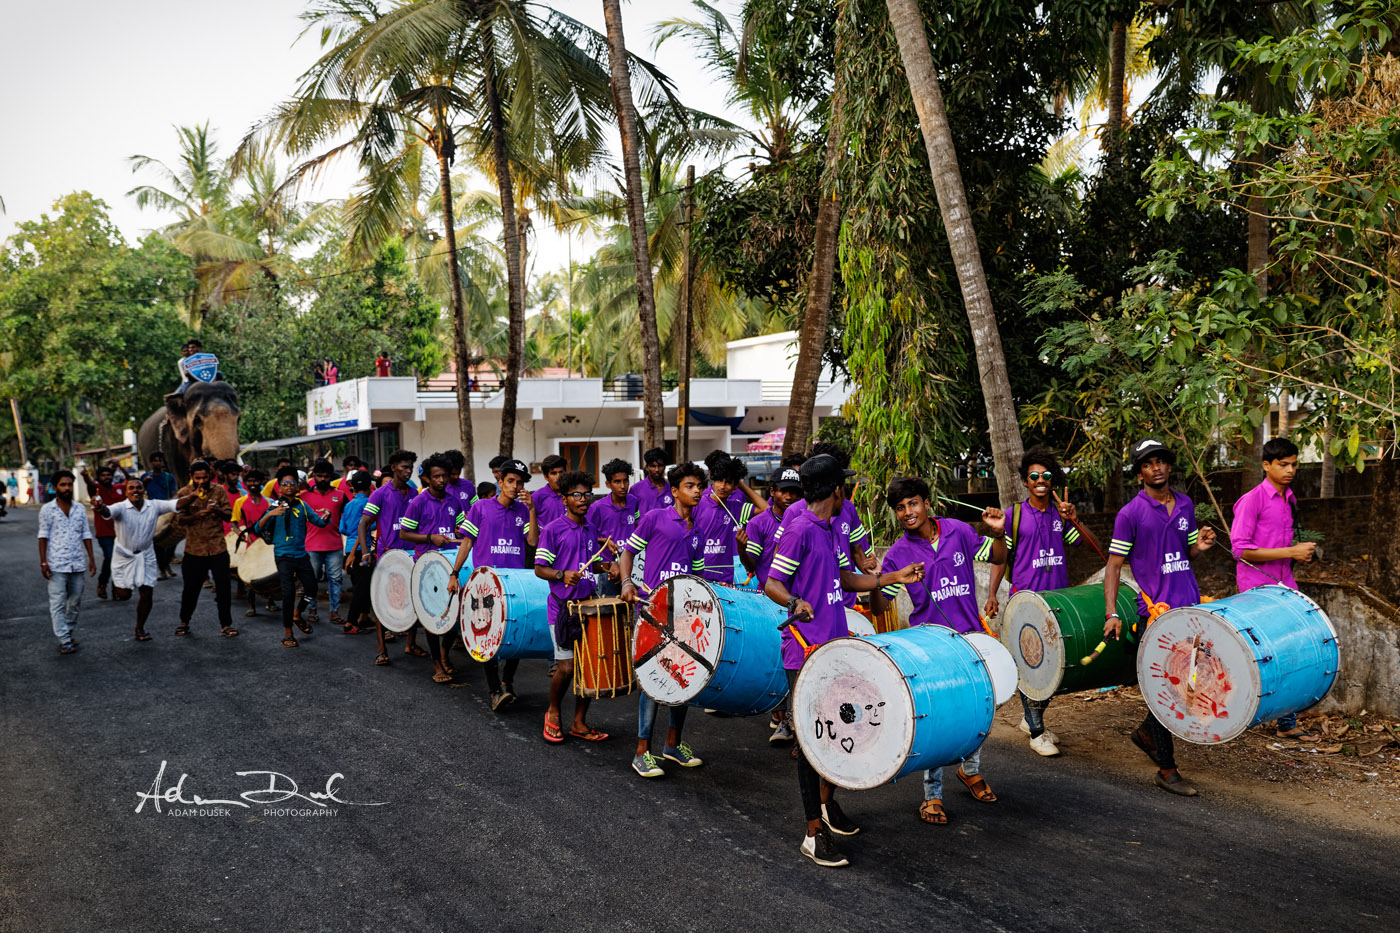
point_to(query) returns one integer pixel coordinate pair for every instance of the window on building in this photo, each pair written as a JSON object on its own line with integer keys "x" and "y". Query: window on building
{"x": 582, "y": 456}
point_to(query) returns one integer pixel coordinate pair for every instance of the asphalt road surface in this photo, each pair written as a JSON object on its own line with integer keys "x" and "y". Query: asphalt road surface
{"x": 482, "y": 826}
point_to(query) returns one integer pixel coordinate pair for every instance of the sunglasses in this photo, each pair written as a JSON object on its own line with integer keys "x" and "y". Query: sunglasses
{"x": 1033, "y": 475}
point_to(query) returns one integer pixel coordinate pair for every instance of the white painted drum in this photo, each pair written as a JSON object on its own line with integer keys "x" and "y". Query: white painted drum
{"x": 434, "y": 606}
{"x": 391, "y": 591}
{"x": 1000, "y": 664}
{"x": 858, "y": 624}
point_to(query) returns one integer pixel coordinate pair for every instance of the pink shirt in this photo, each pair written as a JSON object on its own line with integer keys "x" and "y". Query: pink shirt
{"x": 1263, "y": 519}
{"x": 327, "y": 538}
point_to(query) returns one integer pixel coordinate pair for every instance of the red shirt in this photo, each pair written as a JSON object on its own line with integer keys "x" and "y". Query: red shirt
{"x": 109, "y": 495}
{"x": 327, "y": 538}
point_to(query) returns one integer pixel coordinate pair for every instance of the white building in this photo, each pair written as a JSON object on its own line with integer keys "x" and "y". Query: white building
{"x": 588, "y": 421}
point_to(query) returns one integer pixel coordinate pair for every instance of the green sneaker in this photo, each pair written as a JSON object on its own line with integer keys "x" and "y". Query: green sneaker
{"x": 682, "y": 755}
{"x": 645, "y": 765}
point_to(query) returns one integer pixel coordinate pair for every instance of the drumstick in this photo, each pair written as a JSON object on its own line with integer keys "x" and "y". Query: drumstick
{"x": 1241, "y": 560}
{"x": 1092, "y": 656}
{"x": 966, "y": 505}
{"x": 1082, "y": 530}
{"x": 1195, "y": 649}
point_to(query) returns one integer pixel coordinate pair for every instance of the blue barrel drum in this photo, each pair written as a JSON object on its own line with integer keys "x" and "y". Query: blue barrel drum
{"x": 505, "y": 614}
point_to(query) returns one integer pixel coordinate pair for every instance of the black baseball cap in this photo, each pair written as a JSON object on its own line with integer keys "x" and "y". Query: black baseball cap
{"x": 516, "y": 466}
{"x": 788, "y": 478}
{"x": 823, "y": 470}
{"x": 1146, "y": 449}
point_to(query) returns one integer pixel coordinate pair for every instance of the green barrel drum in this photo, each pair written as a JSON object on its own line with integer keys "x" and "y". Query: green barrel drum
{"x": 1049, "y": 632}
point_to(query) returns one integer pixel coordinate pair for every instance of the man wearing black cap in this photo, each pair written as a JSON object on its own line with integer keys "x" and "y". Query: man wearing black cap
{"x": 757, "y": 542}
{"x": 496, "y": 535}
{"x": 808, "y": 575}
{"x": 1156, "y": 535}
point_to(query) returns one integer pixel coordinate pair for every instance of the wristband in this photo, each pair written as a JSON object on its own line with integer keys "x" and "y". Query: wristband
{"x": 1112, "y": 615}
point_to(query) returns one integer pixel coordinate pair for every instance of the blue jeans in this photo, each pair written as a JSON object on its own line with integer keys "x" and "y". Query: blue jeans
{"x": 1288, "y": 722}
{"x": 334, "y": 562}
{"x": 933, "y": 778}
{"x": 1035, "y": 713}
{"x": 65, "y": 598}
{"x": 646, "y": 717}
{"x": 104, "y": 576}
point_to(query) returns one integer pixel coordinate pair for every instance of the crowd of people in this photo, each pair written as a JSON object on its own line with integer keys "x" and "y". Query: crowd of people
{"x": 803, "y": 544}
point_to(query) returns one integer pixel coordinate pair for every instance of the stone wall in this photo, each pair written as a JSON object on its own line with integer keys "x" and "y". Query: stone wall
{"x": 1368, "y": 630}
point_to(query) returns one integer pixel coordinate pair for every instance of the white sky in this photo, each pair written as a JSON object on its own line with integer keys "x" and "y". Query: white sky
{"x": 89, "y": 83}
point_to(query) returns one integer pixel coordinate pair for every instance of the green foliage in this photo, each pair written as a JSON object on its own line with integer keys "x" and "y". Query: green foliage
{"x": 86, "y": 317}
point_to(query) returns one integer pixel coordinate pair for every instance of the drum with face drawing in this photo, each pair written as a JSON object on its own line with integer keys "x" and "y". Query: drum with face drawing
{"x": 1210, "y": 672}
{"x": 708, "y": 645}
{"x": 505, "y": 614}
{"x": 868, "y": 710}
{"x": 390, "y": 590}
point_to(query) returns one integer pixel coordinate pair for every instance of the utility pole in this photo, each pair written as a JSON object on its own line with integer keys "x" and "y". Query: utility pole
{"x": 687, "y": 274}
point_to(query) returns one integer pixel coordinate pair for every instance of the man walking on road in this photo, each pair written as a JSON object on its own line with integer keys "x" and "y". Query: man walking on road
{"x": 204, "y": 509}
{"x": 134, "y": 564}
{"x": 161, "y": 484}
{"x": 63, "y": 537}
{"x": 103, "y": 491}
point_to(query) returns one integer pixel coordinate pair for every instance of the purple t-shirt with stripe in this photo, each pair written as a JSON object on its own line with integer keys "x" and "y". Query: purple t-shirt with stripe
{"x": 649, "y": 496}
{"x": 549, "y": 505}
{"x": 669, "y": 545}
{"x": 498, "y": 533}
{"x": 429, "y": 515}
{"x": 808, "y": 563}
{"x": 565, "y": 545}
{"x": 763, "y": 539}
{"x": 715, "y": 524}
{"x": 1035, "y": 547}
{"x": 388, "y": 506}
{"x": 610, "y": 520}
{"x": 947, "y": 595}
{"x": 847, "y": 527}
{"x": 1157, "y": 544}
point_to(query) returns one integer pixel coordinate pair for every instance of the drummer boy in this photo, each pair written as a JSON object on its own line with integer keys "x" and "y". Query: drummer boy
{"x": 1156, "y": 535}
{"x": 945, "y": 595}
{"x": 432, "y": 522}
{"x": 568, "y": 551}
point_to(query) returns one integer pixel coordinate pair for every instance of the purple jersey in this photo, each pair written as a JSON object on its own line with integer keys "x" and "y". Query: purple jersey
{"x": 429, "y": 515}
{"x": 498, "y": 533}
{"x": 808, "y": 563}
{"x": 549, "y": 505}
{"x": 388, "y": 505}
{"x": 947, "y": 595}
{"x": 463, "y": 492}
{"x": 566, "y": 545}
{"x": 1263, "y": 519}
{"x": 715, "y": 524}
{"x": 1035, "y": 546}
{"x": 610, "y": 520}
{"x": 847, "y": 527}
{"x": 668, "y": 541}
{"x": 650, "y": 496}
{"x": 763, "y": 539}
{"x": 1158, "y": 546}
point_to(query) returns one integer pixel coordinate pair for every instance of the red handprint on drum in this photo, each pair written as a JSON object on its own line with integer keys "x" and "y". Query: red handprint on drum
{"x": 1199, "y": 679}
{"x": 701, "y": 634}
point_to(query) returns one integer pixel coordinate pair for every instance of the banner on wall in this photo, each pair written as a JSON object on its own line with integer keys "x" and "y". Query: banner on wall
{"x": 342, "y": 406}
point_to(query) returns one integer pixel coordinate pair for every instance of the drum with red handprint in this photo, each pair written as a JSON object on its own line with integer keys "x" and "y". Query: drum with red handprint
{"x": 709, "y": 645}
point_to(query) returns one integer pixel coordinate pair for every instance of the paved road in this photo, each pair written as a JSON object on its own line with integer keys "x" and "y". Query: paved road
{"x": 484, "y": 827}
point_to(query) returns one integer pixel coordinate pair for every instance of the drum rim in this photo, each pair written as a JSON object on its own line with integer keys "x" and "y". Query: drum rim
{"x": 1239, "y": 725}
{"x": 1051, "y": 645}
{"x": 386, "y": 563}
{"x": 904, "y": 695}
{"x": 974, "y": 639}
{"x": 468, "y": 641}
{"x": 425, "y": 618}
{"x": 719, "y": 640}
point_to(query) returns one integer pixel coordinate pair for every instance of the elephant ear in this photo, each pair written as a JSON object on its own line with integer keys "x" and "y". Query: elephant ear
{"x": 175, "y": 413}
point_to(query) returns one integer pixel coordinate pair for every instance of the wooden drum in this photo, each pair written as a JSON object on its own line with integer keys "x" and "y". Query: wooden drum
{"x": 602, "y": 656}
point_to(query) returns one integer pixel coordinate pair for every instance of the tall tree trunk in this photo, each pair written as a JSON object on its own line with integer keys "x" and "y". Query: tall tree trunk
{"x": 461, "y": 352}
{"x": 817, "y": 318}
{"x": 1328, "y": 485}
{"x": 1004, "y": 430}
{"x": 654, "y": 431}
{"x": 1383, "y": 569}
{"x": 518, "y": 335}
{"x": 1252, "y": 451}
{"x": 1117, "y": 92}
{"x": 515, "y": 284}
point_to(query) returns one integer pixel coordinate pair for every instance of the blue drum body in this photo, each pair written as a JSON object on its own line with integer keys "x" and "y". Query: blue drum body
{"x": 876, "y": 708}
{"x": 741, "y": 577}
{"x": 710, "y": 645}
{"x": 505, "y": 614}
{"x": 1256, "y": 656}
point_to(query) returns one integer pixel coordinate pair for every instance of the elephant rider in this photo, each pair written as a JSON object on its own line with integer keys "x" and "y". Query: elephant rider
{"x": 187, "y": 378}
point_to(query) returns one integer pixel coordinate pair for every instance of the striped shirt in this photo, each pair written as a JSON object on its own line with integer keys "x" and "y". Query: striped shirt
{"x": 1158, "y": 546}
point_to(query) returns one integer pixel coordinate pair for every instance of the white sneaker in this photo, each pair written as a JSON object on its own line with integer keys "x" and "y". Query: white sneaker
{"x": 783, "y": 733}
{"x": 1026, "y": 728}
{"x": 1042, "y": 745}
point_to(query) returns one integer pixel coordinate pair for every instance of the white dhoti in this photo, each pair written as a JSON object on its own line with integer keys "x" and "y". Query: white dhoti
{"x": 133, "y": 556}
{"x": 130, "y": 571}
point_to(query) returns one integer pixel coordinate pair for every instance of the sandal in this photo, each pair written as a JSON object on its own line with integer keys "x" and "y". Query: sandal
{"x": 182, "y": 629}
{"x": 414, "y": 650}
{"x": 350, "y": 629}
{"x": 592, "y": 735}
{"x": 228, "y": 631}
{"x": 931, "y": 811}
{"x": 389, "y": 637}
{"x": 1298, "y": 734}
{"x": 382, "y": 658}
{"x": 305, "y": 627}
{"x": 336, "y": 619}
{"x": 289, "y": 643}
{"x": 250, "y": 613}
{"x": 142, "y": 636}
{"x": 979, "y": 788}
{"x": 442, "y": 678}
{"x": 552, "y": 734}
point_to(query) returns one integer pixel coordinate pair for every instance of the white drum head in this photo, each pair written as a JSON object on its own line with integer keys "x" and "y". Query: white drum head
{"x": 857, "y": 624}
{"x": 677, "y": 639}
{"x": 483, "y": 614}
{"x": 1221, "y": 703}
{"x": 234, "y": 550}
{"x": 435, "y": 608}
{"x": 1000, "y": 665}
{"x": 1031, "y": 633}
{"x": 257, "y": 562}
{"x": 390, "y": 591}
{"x": 853, "y": 713}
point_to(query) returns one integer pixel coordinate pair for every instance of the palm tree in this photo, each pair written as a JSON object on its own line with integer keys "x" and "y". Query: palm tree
{"x": 908, "y": 25}
{"x": 654, "y": 431}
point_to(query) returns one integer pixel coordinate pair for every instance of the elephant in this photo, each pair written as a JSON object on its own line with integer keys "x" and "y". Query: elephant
{"x": 201, "y": 424}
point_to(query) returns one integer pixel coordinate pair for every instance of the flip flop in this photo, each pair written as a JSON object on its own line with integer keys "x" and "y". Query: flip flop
{"x": 382, "y": 659}
{"x": 414, "y": 650}
{"x": 443, "y": 678}
{"x": 289, "y": 643}
{"x": 182, "y": 630}
{"x": 552, "y": 733}
{"x": 592, "y": 735}
{"x": 229, "y": 632}
{"x": 142, "y": 636}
